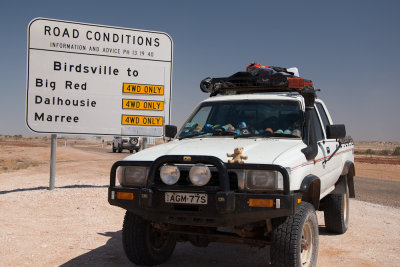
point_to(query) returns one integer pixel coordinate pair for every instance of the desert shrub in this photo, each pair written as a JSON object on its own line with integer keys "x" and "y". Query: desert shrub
{"x": 385, "y": 152}
{"x": 369, "y": 151}
{"x": 396, "y": 151}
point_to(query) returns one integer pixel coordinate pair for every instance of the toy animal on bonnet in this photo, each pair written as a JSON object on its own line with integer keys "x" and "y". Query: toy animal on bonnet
{"x": 237, "y": 156}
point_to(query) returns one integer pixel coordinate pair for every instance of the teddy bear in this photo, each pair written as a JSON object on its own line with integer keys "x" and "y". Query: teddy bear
{"x": 237, "y": 156}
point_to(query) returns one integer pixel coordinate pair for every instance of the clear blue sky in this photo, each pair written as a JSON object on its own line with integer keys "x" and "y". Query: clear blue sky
{"x": 349, "y": 48}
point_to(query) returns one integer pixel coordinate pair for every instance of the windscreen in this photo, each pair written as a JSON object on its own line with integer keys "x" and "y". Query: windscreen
{"x": 280, "y": 118}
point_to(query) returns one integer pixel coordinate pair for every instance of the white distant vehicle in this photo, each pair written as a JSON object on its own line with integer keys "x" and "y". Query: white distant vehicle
{"x": 251, "y": 165}
{"x": 129, "y": 143}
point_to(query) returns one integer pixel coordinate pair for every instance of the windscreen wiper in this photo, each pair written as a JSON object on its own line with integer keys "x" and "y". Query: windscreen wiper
{"x": 215, "y": 133}
{"x": 285, "y": 135}
{"x": 191, "y": 135}
{"x": 245, "y": 135}
{"x": 266, "y": 135}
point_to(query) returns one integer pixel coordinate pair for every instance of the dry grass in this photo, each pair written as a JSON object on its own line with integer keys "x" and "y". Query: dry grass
{"x": 9, "y": 165}
{"x": 20, "y": 152}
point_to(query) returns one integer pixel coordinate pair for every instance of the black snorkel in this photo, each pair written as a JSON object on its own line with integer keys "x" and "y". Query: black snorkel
{"x": 310, "y": 139}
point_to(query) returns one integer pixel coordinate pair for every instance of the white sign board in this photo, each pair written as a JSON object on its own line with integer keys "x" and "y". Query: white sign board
{"x": 93, "y": 79}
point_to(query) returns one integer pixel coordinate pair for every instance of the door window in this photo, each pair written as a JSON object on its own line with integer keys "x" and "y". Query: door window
{"x": 317, "y": 125}
{"x": 322, "y": 113}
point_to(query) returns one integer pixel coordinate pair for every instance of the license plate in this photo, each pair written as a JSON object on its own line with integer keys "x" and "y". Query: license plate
{"x": 186, "y": 198}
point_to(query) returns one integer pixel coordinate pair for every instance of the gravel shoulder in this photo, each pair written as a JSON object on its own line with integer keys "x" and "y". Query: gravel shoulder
{"x": 74, "y": 225}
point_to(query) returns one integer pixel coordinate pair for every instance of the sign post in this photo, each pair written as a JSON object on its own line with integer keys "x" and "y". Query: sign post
{"x": 53, "y": 161}
{"x": 97, "y": 80}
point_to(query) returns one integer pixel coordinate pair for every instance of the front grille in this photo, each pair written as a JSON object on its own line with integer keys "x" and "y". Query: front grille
{"x": 186, "y": 208}
{"x": 184, "y": 179}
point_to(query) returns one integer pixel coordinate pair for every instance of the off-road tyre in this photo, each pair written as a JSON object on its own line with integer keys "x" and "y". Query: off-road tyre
{"x": 295, "y": 239}
{"x": 113, "y": 148}
{"x": 119, "y": 149}
{"x": 133, "y": 141}
{"x": 336, "y": 212}
{"x": 143, "y": 244}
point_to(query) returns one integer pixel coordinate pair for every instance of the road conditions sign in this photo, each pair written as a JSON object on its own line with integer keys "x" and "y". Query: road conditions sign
{"x": 93, "y": 79}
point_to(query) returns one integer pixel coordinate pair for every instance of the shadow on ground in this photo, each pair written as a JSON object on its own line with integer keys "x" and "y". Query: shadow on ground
{"x": 216, "y": 254}
{"x": 45, "y": 187}
{"x": 322, "y": 231}
{"x": 185, "y": 254}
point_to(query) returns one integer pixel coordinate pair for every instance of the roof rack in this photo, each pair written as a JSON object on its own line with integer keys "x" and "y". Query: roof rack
{"x": 244, "y": 83}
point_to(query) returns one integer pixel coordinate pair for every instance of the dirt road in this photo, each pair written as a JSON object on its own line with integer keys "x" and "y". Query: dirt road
{"x": 74, "y": 225}
{"x": 384, "y": 192}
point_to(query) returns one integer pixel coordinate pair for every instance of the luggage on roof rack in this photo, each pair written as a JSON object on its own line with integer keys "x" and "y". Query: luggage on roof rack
{"x": 245, "y": 82}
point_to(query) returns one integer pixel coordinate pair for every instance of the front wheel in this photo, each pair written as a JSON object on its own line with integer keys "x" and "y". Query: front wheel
{"x": 295, "y": 239}
{"x": 144, "y": 244}
{"x": 336, "y": 212}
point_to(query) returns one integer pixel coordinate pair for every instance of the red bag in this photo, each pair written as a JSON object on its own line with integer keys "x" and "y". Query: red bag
{"x": 254, "y": 65}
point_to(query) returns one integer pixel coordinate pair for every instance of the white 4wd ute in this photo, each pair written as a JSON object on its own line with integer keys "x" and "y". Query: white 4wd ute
{"x": 251, "y": 165}
{"x": 123, "y": 142}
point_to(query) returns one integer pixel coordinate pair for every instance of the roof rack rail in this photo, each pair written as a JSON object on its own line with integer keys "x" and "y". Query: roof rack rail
{"x": 244, "y": 83}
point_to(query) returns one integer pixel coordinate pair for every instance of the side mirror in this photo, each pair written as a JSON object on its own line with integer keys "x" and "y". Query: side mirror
{"x": 170, "y": 131}
{"x": 336, "y": 131}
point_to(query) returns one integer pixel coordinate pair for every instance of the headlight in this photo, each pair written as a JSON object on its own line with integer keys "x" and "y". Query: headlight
{"x": 132, "y": 176}
{"x": 200, "y": 174}
{"x": 263, "y": 179}
{"x": 169, "y": 174}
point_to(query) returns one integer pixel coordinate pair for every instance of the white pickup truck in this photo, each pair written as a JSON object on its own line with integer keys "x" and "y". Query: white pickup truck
{"x": 123, "y": 142}
{"x": 251, "y": 165}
